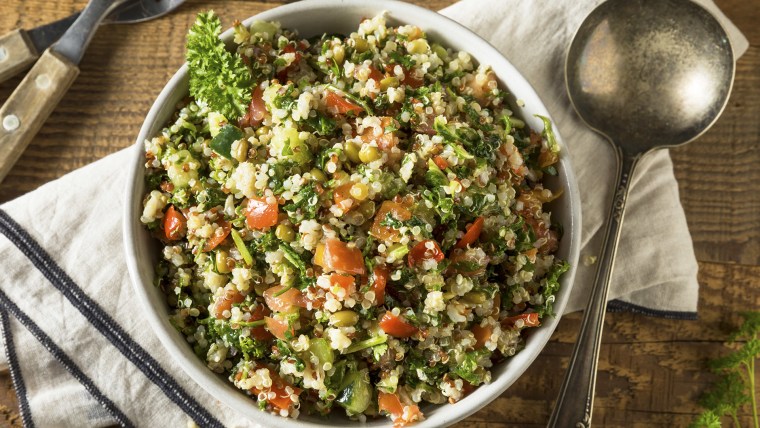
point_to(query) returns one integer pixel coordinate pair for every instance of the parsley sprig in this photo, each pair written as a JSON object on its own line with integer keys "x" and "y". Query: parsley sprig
{"x": 217, "y": 76}
{"x": 736, "y": 387}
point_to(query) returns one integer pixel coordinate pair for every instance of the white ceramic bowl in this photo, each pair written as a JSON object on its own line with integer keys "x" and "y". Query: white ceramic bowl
{"x": 342, "y": 16}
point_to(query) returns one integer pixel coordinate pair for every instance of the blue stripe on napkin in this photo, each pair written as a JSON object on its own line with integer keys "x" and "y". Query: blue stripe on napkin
{"x": 103, "y": 322}
{"x": 621, "y": 306}
{"x": 18, "y": 381}
{"x": 58, "y": 354}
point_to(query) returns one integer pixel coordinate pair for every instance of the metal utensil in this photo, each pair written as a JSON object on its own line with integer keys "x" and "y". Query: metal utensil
{"x": 20, "y": 48}
{"x": 646, "y": 74}
{"x": 39, "y": 92}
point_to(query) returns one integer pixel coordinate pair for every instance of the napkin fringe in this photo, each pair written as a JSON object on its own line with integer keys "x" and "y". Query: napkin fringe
{"x": 621, "y": 306}
{"x": 103, "y": 322}
{"x": 59, "y": 356}
{"x": 18, "y": 381}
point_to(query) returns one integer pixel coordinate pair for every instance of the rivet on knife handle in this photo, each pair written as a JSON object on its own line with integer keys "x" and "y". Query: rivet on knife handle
{"x": 31, "y": 104}
{"x": 16, "y": 53}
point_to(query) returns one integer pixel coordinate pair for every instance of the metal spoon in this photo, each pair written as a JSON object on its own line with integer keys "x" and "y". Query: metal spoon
{"x": 646, "y": 74}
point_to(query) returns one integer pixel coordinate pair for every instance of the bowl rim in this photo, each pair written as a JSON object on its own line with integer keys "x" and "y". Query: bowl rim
{"x": 222, "y": 390}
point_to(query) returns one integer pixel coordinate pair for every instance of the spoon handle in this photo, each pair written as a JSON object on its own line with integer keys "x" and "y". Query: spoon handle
{"x": 576, "y": 398}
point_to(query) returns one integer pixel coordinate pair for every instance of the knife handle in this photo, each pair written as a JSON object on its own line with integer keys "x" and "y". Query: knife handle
{"x": 30, "y": 105}
{"x": 16, "y": 53}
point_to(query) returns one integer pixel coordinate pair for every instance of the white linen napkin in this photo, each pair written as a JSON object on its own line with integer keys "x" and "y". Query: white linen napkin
{"x": 81, "y": 354}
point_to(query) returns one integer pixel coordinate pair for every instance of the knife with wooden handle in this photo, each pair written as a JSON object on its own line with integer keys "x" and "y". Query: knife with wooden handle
{"x": 20, "y": 48}
{"x": 34, "y": 99}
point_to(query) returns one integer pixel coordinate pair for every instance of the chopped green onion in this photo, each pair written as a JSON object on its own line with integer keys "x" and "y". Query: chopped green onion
{"x": 240, "y": 245}
{"x": 507, "y": 124}
{"x": 366, "y": 343}
{"x": 258, "y": 323}
{"x": 548, "y": 132}
{"x": 283, "y": 291}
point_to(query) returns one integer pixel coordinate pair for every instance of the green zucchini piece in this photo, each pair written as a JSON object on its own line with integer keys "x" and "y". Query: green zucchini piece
{"x": 357, "y": 395}
{"x": 321, "y": 349}
{"x": 222, "y": 143}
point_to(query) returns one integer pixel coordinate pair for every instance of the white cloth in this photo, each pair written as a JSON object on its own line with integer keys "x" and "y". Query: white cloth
{"x": 69, "y": 372}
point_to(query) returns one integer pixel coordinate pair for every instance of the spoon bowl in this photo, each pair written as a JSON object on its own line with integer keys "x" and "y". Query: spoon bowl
{"x": 650, "y": 73}
{"x": 646, "y": 74}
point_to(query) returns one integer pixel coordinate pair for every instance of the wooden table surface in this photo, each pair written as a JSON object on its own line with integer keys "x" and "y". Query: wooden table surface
{"x": 651, "y": 369}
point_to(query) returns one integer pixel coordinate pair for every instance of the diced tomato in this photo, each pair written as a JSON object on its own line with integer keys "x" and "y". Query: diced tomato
{"x": 467, "y": 388}
{"x": 481, "y": 89}
{"x": 398, "y": 212}
{"x": 343, "y": 199}
{"x": 529, "y": 320}
{"x": 284, "y": 302}
{"x": 375, "y": 74}
{"x": 472, "y": 234}
{"x": 258, "y": 314}
{"x": 336, "y": 255}
{"x": 225, "y": 302}
{"x": 279, "y": 327}
{"x": 440, "y": 162}
{"x": 482, "y": 334}
{"x": 346, "y": 282}
{"x": 282, "y": 75}
{"x": 421, "y": 252}
{"x": 391, "y": 404}
{"x": 531, "y": 204}
{"x": 260, "y": 214}
{"x": 217, "y": 238}
{"x": 542, "y": 231}
{"x": 396, "y": 326}
{"x": 256, "y": 109}
{"x": 385, "y": 137}
{"x": 380, "y": 280}
{"x": 411, "y": 79}
{"x": 316, "y": 301}
{"x": 338, "y": 105}
{"x": 468, "y": 262}
{"x": 279, "y": 386}
{"x": 282, "y": 399}
{"x": 175, "y": 224}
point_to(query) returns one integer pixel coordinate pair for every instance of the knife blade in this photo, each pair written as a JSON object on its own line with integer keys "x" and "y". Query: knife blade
{"x": 45, "y": 35}
{"x": 128, "y": 13}
{"x": 20, "y": 48}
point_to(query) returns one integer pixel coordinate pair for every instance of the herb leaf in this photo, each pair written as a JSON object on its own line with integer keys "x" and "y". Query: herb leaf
{"x": 736, "y": 387}
{"x": 217, "y": 76}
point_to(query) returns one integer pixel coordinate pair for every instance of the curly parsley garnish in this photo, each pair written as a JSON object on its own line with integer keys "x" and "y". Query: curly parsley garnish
{"x": 217, "y": 77}
{"x": 735, "y": 390}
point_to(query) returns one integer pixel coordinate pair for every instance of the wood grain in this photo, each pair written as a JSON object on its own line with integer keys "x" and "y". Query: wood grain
{"x": 718, "y": 173}
{"x": 16, "y": 53}
{"x": 651, "y": 369}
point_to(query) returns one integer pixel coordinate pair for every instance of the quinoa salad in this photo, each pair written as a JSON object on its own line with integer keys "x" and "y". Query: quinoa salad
{"x": 350, "y": 223}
